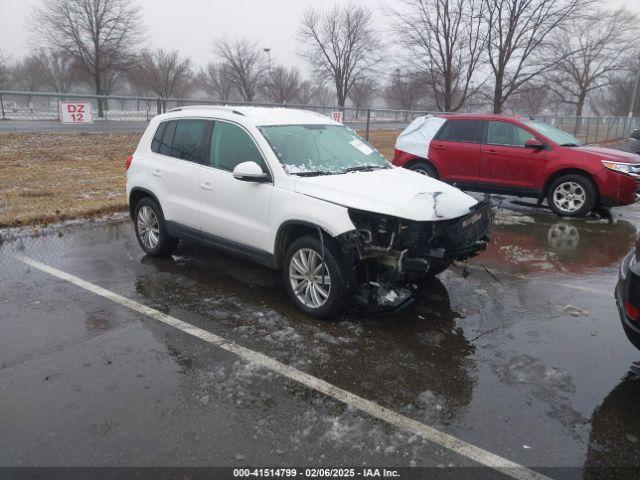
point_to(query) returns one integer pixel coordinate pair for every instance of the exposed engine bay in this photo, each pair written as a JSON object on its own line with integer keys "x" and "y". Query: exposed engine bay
{"x": 387, "y": 255}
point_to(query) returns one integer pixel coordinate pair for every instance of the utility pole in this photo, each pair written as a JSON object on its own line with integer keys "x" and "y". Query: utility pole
{"x": 634, "y": 94}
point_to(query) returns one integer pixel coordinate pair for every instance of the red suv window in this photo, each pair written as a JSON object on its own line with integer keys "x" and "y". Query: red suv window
{"x": 469, "y": 131}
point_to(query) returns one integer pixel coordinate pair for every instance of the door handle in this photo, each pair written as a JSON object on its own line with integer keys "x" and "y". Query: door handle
{"x": 156, "y": 172}
{"x": 491, "y": 152}
{"x": 439, "y": 147}
{"x": 207, "y": 186}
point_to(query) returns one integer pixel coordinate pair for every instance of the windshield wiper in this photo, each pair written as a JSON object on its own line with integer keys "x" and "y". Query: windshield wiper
{"x": 569, "y": 145}
{"x": 314, "y": 173}
{"x": 363, "y": 168}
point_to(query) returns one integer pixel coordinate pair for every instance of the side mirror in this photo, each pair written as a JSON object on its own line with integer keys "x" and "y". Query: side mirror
{"x": 535, "y": 144}
{"x": 250, "y": 172}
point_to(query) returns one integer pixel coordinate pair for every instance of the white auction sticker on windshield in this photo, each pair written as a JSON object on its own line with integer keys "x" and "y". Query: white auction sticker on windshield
{"x": 363, "y": 147}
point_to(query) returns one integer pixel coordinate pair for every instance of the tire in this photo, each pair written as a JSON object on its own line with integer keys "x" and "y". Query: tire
{"x": 311, "y": 300}
{"x": 423, "y": 168}
{"x": 149, "y": 220}
{"x": 572, "y": 195}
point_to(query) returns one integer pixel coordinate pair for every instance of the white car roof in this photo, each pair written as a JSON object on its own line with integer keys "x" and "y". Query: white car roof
{"x": 256, "y": 116}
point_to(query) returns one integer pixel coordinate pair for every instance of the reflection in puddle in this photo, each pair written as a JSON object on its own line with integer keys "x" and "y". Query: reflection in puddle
{"x": 536, "y": 242}
{"x": 615, "y": 430}
{"x": 416, "y": 358}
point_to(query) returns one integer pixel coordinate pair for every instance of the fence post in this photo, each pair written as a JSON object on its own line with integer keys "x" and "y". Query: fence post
{"x": 158, "y": 106}
{"x": 588, "y": 129}
{"x": 366, "y": 136}
{"x": 597, "y": 128}
{"x": 2, "y": 107}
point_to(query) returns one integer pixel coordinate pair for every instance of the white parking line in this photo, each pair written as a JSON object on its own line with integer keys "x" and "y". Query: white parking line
{"x": 391, "y": 417}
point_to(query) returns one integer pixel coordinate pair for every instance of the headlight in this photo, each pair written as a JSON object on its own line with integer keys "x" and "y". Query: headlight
{"x": 628, "y": 168}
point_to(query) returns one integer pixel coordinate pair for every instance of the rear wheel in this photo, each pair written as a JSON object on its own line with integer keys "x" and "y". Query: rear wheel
{"x": 151, "y": 230}
{"x": 572, "y": 196}
{"x": 315, "y": 284}
{"x": 424, "y": 168}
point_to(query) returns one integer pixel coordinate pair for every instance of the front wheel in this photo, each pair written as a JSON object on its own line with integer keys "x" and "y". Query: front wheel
{"x": 572, "y": 196}
{"x": 315, "y": 285}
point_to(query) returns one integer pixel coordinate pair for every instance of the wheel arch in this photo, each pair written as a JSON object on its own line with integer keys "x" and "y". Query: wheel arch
{"x": 290, "y": 231}
{"x": 567, "y": 171}
{"x": 137, "y": 194}
{"x": 415, "y": 160}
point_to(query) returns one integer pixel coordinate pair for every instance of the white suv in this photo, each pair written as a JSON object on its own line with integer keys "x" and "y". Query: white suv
{"x": 296, "y": 191}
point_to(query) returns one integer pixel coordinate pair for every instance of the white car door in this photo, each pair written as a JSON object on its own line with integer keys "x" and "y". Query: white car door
{"x": 231, "y": 209}
{"x": 177, "y": 151}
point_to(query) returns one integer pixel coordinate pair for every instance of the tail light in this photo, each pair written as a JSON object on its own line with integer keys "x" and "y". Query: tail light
{"x": 127, "y": 163}
{"x": 632, "y": 312}
{"x": 397, "y": 153}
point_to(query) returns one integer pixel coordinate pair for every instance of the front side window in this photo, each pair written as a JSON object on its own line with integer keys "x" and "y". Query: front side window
{"x": 231, "y": 145}
{"x": 321, "y": 149}
{"x": 469, "y": 131}
{"x": 503, "y": 133}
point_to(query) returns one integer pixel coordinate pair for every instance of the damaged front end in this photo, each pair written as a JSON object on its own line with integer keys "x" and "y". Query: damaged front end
{"x": 386, "y": 255}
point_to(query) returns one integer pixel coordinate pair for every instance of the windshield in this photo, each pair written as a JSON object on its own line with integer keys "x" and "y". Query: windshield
{"x": 321, "y": 149}
{"x": 554, "y": 134}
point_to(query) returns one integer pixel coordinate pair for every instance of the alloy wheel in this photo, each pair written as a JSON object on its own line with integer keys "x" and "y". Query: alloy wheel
{"x": 569, "y": 197}
{"x": 309, "y": 278}
{"x": 148, "y": 227}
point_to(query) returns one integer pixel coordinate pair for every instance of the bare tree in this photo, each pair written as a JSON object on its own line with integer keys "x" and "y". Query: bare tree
{"x": 100, "y": 35}
{"x": 362, "y": 93}
{"x": 242, "y": 59}
{"x": 283, "y": 85}
{"x": 340, "y": 44}
{"x": 616, "y": 97}
{"x": 532, "y": 100}
{"x": 217, "y": 81}
{"x": 322, "y": 95}
{"x": 166, "y": 74}
{"x": 447, "y": 38}
{"x": 306, "y": 93}
{"x": 588, "y": 52}
{"x": 26, "y": 76}
{"x": 55, "y": 70}
{"x": 404, "y": 92}
{"x": 517, "y": 29}
{"x": 4, "y": 70}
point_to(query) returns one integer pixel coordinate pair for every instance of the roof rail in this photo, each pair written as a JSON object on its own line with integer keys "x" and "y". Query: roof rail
{"x": 221, "y": 107}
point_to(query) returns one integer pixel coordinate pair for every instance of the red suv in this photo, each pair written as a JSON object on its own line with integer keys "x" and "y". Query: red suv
{"x": 516, "y": 156}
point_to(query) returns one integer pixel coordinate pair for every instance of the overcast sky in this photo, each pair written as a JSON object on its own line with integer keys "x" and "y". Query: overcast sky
{"x": 190, "y": 26}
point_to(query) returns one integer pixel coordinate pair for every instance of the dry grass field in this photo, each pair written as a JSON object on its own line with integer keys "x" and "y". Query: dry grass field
{"x": 48, "y": 177}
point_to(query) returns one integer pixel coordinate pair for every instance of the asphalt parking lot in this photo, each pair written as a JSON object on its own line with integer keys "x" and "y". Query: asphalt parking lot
{"x": 528, "y": 363}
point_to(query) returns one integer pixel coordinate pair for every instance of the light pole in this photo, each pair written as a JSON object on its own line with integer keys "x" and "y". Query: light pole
{"x": 268, "y": 52}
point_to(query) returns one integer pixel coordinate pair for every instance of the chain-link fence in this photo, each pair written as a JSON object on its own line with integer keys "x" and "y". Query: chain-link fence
{"x": 135, "y": 111}
{"x": 39, "y": 106}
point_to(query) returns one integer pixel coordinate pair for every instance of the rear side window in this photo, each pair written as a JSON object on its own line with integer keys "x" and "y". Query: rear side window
{"x": 502, "y": 133}
{"x": 231, "y": 145}
{"x": 157, "y": 138}
{"x": 167, "y": 138}
{"x": 462, "y": 131}
{"x": 189, "y": 141}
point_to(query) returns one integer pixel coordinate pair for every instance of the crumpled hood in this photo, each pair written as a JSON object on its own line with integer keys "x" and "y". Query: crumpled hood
{"x": 397, "y": 192}
{"x": 609, "y": 154}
